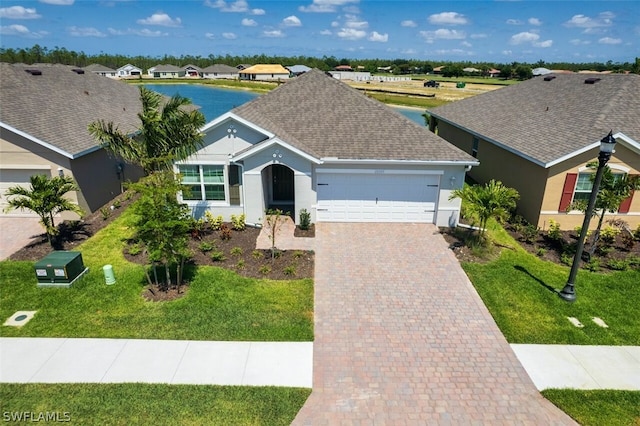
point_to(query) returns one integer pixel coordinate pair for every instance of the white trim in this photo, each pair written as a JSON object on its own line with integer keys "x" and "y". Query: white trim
{"x": 25, "y": 167}
{"x": 611, "y": 166}
{"x": 259, "y": 147}
{"x": 231, "y": 116}
{"x": 381, "y": 171}
{"x": 36, "y": 140}
{"x": 333, "y": 160}
{"x": 581, "y": 213}
{"x": 225, "y": 184}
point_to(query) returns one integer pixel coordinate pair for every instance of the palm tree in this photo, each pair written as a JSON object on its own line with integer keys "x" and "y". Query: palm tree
{"x": 168, "y": 133}
{"x": 487, "y": 201}
{"x": 46, "y": 198}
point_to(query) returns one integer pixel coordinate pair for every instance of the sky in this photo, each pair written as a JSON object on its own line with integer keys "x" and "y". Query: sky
{"x": 476, "y": 31}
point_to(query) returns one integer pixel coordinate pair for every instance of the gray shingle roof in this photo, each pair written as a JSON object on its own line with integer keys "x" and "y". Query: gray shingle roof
{"x": 549, "y": 120}
{"x": 57, "y": 106}
{"x": 166, "y": 68}
{"x": 98, "y": 68}
{"x": 326, "y": 118}
{"x": 221, "y": 68}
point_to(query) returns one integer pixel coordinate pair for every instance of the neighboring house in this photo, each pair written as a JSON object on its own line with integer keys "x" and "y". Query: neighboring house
{"x": 298, "y": 69}
{"x": 355, "y": 76}
{"x": 471, "y": 70}
{"x": 220, "y": 71}
{"x": 243, "y": 66}
{"x": 265, "y": 72}
{"x": 493, "y": 73}
{"x": 541, "y": 134}
{"x": 43, "y": 130}
{"x": 129, "y": 71}
{"x": 314, "y": 143}
{"x": 165, "y": 71}
{"x": 101, "y": 70}
{"x": 439, "y": 70}
{"x": 191, "y": 71}
{"x": 343, "y": 68}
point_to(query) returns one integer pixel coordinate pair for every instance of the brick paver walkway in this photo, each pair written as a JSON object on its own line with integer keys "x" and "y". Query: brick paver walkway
{"x": 17, "y": 232}
{"x": 401, "y": 337}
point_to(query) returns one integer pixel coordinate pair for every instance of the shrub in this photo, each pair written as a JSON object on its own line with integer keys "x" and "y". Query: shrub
{"x": 290, "y": 270}
{"x": 116, "y": 204}
{"x": 240, "y": 264}
{"x": 215, "y": 222}
{"x": 604, "y": 250}
{"x": 628, "y": 241}
{"x": 634, "y": 261}
{"x": 197, "y": 227}
{"x": 257, "y": 254}
{"x": 618, "y": 264}
{"x": 530, "y": 233}
{"x": 225, "y": 232}
{"x": 218, "y": 256}
{"x": 236, "y": 251}
{"x": 566, "y": 258}
{"x": 206, "y": 246}
{"x": 593, "y": 265}
{"x": 540, "y": 251}
{"x": 305, "y": 219}
{"x": 265, "y": 269}
{"x": 297, "y": 254}
{"x": 135, "y": 249}
{"x": 554, "y": 230}
{"x": 636, "y": 233}
{"x": 238, "y": 222}
{"x": 609, "y": 234}
{"x": 578, "y": 230}
{"x": 105, "y": 212}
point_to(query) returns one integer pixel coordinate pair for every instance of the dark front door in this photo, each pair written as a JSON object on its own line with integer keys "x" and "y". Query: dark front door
{"x": 282, "y": 178}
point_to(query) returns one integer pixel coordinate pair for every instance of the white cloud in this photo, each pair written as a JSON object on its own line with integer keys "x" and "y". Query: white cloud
{"x": 85, "y": 32}
{"x": 292, "y": 21}
{"x": 376, "y": 36}
{"x": 229, "y": 36}
{"x": 604, "y": 19}
{"x": 534, "y": 21}
{"x": 507, "y": 52}
{"x": 18, "y": 12}
{"x": 160, "y": 19}
{"x": 210, "y": 36}
{"x": 325, "y": 32}
{"x": 448, "y": 18}
{"x": 442, "y": 33}
{"x": 457, "y": 52}
{"x": 258, "y": 12}
{"x": 58, "y": 2}
{"x": 514, "y": 22}
{"x": 524, "y": 37}
{"x": 246, "y": 22}
{"x": 478, "y": 35}
{"x": 546, "y": 43}
{"x": 235, "y": 6}
{"x": 145, "y": 32}
{"x": 609, "y": 40}
{"x": 324, "y": 6}
{"x": 466, "y": 44}
{"x": 21, "y": 31}
{"x": 578, "y": 42}
{"x": 408, "y": 23}
{"x": 351, "y": 34}
{"x": 273, "y": 33}
{"x": 351, "y": 21}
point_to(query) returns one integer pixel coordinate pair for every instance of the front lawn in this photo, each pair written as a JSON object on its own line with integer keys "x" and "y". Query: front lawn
{"x": 218, "y": 305}
{"x": 143, "y": 404}
{"x": 598, "y": 407}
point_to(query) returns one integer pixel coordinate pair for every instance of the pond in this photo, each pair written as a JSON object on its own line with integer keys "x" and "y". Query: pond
{"x": 214, "y": 101}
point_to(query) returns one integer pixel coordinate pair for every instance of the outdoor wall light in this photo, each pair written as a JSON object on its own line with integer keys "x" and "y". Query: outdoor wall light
{"x": 453, "y": 181}
{"x": 568, "y": 293}
{"x": 60, "y": 172}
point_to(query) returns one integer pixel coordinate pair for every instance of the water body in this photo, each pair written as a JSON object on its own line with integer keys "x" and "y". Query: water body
{"x": 214, "y": 101}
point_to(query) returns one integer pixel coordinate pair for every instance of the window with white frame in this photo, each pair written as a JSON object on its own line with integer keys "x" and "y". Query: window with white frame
{"x": 206, "y": 182}
{"x": 584, "y": 185}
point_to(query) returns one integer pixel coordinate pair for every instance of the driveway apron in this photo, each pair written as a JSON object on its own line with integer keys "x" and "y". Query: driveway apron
{"x": 402, "y": 337}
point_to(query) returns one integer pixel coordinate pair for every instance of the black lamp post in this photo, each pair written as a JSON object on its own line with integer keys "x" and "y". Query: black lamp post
{"x": 607, "y": 144}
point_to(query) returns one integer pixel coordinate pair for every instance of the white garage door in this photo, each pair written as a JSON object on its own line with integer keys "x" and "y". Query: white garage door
{"x": 17, "y": 177}
{"x": 376, "y": 197}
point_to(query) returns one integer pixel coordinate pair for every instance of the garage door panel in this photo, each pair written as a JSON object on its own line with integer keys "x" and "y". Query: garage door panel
{"x": 377, "y": 197}
{"x": 17, "y": 177}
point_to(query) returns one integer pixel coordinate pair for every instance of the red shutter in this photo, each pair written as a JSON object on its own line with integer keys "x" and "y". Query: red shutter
{"x": 567, "y": 191}
{"x": 625, "y": 206}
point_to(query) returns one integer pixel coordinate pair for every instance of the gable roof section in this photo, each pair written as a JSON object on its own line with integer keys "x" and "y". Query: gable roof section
{"x": 98, "y": 68}
{"x": 327, "y": 119}
{"x": 547, "y": 120}
{"x": 55, "y": 108}
{"x": 166, "y": 68}
{"x": 221, "y": 68}
{"x": 265, "y": 69}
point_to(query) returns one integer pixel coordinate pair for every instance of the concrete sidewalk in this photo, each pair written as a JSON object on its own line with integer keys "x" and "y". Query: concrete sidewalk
{"x": 51, "y": 360}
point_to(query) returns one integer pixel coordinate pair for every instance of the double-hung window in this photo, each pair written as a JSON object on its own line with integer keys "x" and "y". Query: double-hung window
{"x": 205, "y": 182}
{"x": 584, "y": 185}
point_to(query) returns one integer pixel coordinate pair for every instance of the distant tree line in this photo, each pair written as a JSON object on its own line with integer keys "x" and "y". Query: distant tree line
{"x": 60, "y": 55}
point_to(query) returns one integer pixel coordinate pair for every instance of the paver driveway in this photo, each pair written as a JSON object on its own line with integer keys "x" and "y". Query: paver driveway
{"x": 17, "y": 232}
{"x": 402, "y": 337}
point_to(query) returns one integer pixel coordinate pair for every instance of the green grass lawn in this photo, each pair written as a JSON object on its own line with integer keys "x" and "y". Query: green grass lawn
{"x": 518, "y": 289}
{"x": 598, "y": 407}
{"x": 143, "y": 404}
{"x": 219, "y": 304}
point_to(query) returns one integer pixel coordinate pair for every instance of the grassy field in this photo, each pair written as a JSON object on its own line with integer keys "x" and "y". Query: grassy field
{"x": 218, "y": 305}
{"x": 144, "y": 404}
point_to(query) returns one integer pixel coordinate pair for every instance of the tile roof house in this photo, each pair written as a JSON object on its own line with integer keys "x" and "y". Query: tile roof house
{"x": 540, "y": 135}
{"x": 221, "y": 71}
{"x": 43, "y": 129}
{"x": 315, "y": 143}
{"x": 265, "y": 72}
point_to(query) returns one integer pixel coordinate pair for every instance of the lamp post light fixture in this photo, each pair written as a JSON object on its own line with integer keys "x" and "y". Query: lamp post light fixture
{"x": 607, "y": 144}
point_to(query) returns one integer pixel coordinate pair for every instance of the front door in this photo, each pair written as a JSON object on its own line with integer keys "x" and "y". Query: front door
{"x": 282, "y": 178}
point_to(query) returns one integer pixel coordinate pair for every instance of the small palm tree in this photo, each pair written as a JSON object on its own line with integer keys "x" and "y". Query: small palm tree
{"x": 487, "y": 201}
{"x": 45, "y": 197}
{"x": 167, "y": 133}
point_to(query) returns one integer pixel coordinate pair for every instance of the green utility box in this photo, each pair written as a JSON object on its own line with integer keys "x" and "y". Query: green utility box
{"x": 461, "y": 85}
{"x": 60, "y": 269}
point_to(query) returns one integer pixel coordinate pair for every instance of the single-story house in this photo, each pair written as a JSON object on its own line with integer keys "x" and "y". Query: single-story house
{"x": 541, "y": 134}
{"x": 43, "y": 130}
{"x": 165, "y": 71}
{"x": 298, "y": 69}
{"x": 343, "y": 68}
{"x": 220, "y": 71}
{"x": 129, "y": 71}
{"x": 191, "y": 71}
{"x": 355, "y": 76}
{"x": 315, "y": 143}
{"x": 265, "y": 72}
{"x": 101, "y": 70}
{"x": 243, "y": 66}
{"x": 493, "y": 73}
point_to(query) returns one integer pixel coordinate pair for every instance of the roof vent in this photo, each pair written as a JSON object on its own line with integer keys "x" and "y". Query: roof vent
{"x": 78, "y": 70}
{"x": 33, "y": 71}
{"x": 592, "y": 80}
{"x": 549, "y": 77}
